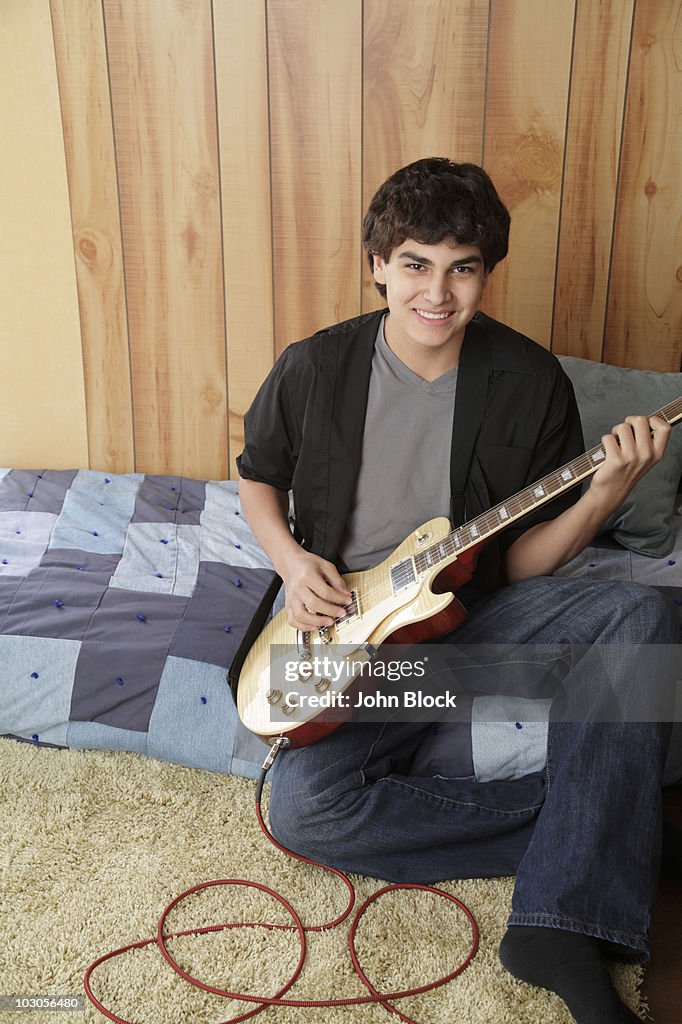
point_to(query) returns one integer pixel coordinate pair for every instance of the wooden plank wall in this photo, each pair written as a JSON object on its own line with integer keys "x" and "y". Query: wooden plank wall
{"x": 183, "y": 194}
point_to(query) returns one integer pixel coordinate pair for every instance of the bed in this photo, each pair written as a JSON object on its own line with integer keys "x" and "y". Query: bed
{"x": 125, "y": 597}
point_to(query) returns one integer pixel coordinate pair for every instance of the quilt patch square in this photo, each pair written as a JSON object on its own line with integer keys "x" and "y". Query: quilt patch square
{"x": 8, "y": 588}
{"x": 194, "y": 716}
{"x": 54, "y": 602}
{"x": 174, "y": 499}
{"x": 220, "y": 610}
{"x": 33, "y": 490}
{"x": 122, "y": 658}
{"x": 24, "y": 537}
{"x": 159, "y": 557}
{"x": 38, "y": 674}
{"x": 96, "y": 513}
{"x": 80, "y": 561}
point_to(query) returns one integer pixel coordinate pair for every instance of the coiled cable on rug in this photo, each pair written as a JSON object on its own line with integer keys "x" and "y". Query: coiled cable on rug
{"x": 261, "y": 1002}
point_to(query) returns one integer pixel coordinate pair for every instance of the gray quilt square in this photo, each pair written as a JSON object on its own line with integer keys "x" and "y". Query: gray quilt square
{"x": 55, "y": 602}
{"x": 32, "y": 490}
{"x": 8, "y": 588}
{"x": 169, "y": 499}
{"x": 122, "y": 657}
{"x": 81, "y": 561}
{"x": 220, "y": 611}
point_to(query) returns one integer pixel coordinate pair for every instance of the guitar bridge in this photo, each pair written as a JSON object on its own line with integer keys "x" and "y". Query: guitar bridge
{"x": 351, "y": 612}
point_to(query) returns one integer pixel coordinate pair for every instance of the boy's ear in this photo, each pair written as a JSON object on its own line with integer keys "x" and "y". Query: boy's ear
{"x": 379, "y": 268}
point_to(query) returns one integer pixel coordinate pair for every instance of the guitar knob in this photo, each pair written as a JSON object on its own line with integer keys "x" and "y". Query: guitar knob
{"x": 288, "y": 709}
{"x": 305, "y": 671}
{"x": 273, "y": 696}
{"x": 323, "y": 685}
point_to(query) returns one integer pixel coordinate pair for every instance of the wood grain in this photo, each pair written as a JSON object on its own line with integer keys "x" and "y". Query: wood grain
{"x": 315, "y": 54}
{"x": 243, "y": 131}
{"x": 424, "y": 90}
{"x": 240, "y": 219}
{"x": 80, "y": 49}
{"x": 163, "y": 95}
{"x": 42, "y": 409}
{"x": 644, "y": 322}
{"x": 599, "y": 71}
{"x": 525, "y": 124}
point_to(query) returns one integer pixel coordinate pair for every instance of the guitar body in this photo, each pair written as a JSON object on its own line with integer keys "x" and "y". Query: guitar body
{"x": 277, "y": 693}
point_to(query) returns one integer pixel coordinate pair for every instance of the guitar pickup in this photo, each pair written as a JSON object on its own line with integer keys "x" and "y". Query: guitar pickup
{"x": 403, "y": 574}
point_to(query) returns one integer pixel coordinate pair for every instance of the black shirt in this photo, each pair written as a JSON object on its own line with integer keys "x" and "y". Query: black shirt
{"x": 515, "y": 421}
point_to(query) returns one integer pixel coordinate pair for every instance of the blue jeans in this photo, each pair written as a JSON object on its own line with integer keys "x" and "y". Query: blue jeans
{"x": 582, "y": 837}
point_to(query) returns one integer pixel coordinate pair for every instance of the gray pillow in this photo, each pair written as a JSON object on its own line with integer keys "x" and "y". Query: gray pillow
{"x": 606, "y": 395}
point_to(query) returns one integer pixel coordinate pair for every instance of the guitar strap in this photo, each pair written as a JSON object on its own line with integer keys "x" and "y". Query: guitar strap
{"x": 470, "y": 402}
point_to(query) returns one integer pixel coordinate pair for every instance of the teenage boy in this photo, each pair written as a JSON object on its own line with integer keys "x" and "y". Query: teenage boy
{"x": 430, "y": 408}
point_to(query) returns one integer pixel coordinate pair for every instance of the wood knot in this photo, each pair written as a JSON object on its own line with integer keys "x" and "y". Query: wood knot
{"x": 212, "y": 397}
{"x": 191, "y": 239}
{"x": 678, "y": 274}
{"x": 650, "y": 189}
{"x": 204, "y": 184}
{"x": 87, "y": 247}
{"x": 537, "y": 161}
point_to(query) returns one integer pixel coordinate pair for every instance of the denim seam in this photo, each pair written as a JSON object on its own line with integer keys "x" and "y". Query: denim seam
{"x": 464, "y": 803}
{"x": 596, "y": 931}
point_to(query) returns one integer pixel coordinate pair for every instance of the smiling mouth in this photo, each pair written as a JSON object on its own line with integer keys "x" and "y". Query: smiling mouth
{"x": 434, "y": 316}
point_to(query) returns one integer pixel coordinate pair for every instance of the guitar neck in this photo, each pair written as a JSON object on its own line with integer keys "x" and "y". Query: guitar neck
{"x": 518, "y": 505}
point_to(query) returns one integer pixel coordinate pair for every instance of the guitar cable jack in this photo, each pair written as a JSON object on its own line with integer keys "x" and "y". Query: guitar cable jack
{"x": 281, "y": 743}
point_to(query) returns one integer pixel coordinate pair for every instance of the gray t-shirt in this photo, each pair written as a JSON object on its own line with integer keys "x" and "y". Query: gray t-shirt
{"x": 404, "y": 477}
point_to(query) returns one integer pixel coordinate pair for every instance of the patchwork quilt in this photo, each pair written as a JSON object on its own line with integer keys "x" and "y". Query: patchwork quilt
{"x": 123, "y": 599}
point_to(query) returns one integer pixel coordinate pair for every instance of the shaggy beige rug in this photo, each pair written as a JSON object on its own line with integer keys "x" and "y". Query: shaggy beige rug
{"x": 95, "y": 845}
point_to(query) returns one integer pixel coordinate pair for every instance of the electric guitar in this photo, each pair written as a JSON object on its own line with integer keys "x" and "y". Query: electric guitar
{"x": 294, "y": 683}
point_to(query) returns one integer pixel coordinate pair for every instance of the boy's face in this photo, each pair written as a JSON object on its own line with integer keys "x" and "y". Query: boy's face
{"x": 432, "y": 292}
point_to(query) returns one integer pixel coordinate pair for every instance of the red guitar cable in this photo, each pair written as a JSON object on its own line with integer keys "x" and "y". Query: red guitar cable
{"x": 263, "y": 1002}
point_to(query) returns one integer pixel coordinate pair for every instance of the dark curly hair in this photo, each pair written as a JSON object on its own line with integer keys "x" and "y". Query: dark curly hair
{"x": 433, "y": 199}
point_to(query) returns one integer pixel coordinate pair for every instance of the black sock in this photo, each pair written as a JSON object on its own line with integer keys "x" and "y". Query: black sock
{"x": 569, "y": 964}
{"x": 671, "y": 858}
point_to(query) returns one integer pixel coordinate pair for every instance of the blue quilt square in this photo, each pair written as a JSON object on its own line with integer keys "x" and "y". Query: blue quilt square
{"x": 55, "y": 602}
{"x": 194, "y": 720}
{"x": 32, "y": 490}
{"x": 24, "y": 536}
{"x": 159, "y": 557}
{"x": 96, "y": 513}
{"x": 37, "y": 678}
{"x": 170, "y": 499}
{"x": 220, "y": 611}
{"x": 122, "y": 657}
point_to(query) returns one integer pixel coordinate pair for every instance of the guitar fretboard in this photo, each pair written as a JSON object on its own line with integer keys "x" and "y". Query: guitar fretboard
{"x": 518, "y": 505}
